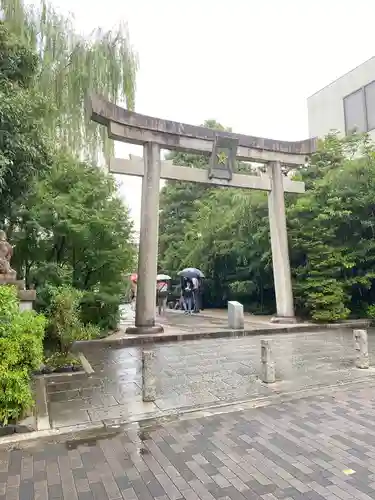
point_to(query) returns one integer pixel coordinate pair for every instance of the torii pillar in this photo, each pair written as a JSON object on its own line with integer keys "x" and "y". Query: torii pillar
{"x": 279, "y": 245}
{"x": 148, "y": 243}
{"x": 223, "y": 148}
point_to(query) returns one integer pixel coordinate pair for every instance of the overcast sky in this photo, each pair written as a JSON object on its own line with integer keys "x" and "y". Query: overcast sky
{"x": 248, "y": 64}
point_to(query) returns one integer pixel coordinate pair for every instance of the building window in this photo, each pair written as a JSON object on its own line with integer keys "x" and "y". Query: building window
{"x": 359, "y": 110}
{"x": 370, "y": 105}
{"x": 355, "y": 112}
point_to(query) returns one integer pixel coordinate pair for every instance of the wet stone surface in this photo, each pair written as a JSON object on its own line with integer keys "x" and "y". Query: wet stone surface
{"x": 321, "y": 447}
{"x": 203, "y": 372}
{"x": 207, "y": 321}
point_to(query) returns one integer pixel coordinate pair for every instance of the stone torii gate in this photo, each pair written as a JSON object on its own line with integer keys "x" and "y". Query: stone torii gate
{"x": 223, "y": 148}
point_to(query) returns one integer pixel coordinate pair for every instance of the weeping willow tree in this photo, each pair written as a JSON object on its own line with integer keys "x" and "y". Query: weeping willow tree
{"x": 71, "y": 66}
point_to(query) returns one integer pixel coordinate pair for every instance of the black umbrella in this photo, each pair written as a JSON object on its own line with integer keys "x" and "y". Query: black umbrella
{"x": 191, "y": 272}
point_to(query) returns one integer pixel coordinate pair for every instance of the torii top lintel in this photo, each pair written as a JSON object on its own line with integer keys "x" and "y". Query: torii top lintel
{"x": 128, "y": 126}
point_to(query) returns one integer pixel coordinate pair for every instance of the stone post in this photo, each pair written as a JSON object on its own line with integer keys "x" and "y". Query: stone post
{"x": 148, "y": 244}
{"x": 361, "y": 347}
{"x": 148, "y": 376}
{"x": 267, "y": 363}
{"x": 41, "y": 406}
{"x": 27, "y": 298}
{"x": 279, "y": 245}
{"x": 235, "y": 315}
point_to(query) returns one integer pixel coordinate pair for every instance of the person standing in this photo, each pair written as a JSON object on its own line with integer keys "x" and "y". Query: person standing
{"x": 188, "y": 296}
{"x": 201, "y": 294}
{"x": 195, "y": 283}
{"x": 133, "y": 295}
{"x": 162, "y": 296}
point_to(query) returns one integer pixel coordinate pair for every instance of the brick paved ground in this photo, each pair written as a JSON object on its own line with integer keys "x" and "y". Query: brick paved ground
{"x": 296, "y": 450}
{"x": 206, "y": 372}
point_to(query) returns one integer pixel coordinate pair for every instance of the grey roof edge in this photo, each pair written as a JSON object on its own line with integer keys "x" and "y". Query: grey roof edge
{"x": 103, "y": 111}
{"x": 340, "y": 77}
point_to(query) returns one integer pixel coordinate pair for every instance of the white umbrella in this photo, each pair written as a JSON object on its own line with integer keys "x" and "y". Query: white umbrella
{"x": 163, "y": 277}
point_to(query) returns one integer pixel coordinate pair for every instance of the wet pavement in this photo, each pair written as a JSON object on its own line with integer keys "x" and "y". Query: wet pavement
{"x": 321, "y": 447}
{"x": 203, "y": 372}
{"x": 204, "y": 322}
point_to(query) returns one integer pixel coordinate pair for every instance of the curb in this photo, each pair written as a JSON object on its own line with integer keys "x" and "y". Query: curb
{"x": 86, "y": 364}
{"x": 134, "y": 340}
{"x": 41, "y": 409}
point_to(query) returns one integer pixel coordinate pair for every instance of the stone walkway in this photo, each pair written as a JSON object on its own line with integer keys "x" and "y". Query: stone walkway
{"x": 203, "y": 373}
{"x": 207, "y": 321}
{"x": 321, "y": 447}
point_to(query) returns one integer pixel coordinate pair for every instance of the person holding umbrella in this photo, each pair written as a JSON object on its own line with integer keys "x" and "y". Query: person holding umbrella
{"x": 162, "y": 292}
{"x": 187, "y": 295}
{"x": 192, "y": 276}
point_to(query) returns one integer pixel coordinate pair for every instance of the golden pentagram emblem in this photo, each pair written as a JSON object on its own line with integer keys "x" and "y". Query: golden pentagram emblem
{"x": 222, "y": 158}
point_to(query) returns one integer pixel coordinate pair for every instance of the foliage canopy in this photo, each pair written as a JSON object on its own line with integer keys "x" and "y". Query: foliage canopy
{"x": 69, "y": 66}
{"x": 331, "y": 235}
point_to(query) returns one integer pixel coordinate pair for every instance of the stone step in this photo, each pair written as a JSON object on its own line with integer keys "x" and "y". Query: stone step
{"x": 20, "y": 284}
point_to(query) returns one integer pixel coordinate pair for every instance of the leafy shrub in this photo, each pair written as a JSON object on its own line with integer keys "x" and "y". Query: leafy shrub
{"x": 15, "y": 393}
{"x": 102, "y": 309}
{"x": 325, "y": 299}
{"x": 21, "y": 352}
{"x": 57, "y": 360}
{"x": 95, "y": 308}
{"x": 9, "y": 307}
{"x": 65, "y": 324}
{"x": 47, "y": 277}
{"x": 371, "y": 311}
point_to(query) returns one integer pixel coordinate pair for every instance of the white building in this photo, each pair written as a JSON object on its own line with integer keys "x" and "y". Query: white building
{"x": 346, "y": 104}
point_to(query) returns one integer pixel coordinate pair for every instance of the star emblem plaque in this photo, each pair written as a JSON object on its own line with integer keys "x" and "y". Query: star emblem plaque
{"x": 223, "y": 158}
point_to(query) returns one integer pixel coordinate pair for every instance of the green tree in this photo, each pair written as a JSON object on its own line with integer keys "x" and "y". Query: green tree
{"x": 177, "y": 204}
{"x": 69, "y": 66}
{"x": 24, "y": 149}
{"x": 177, "y": 208}
{"x": 222, "y": 231}
{"x": 229, "y": 240}
{"x": 65, "y": 218}
{"x": 75, "y": 230}
{"x": 332, "y": 230}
